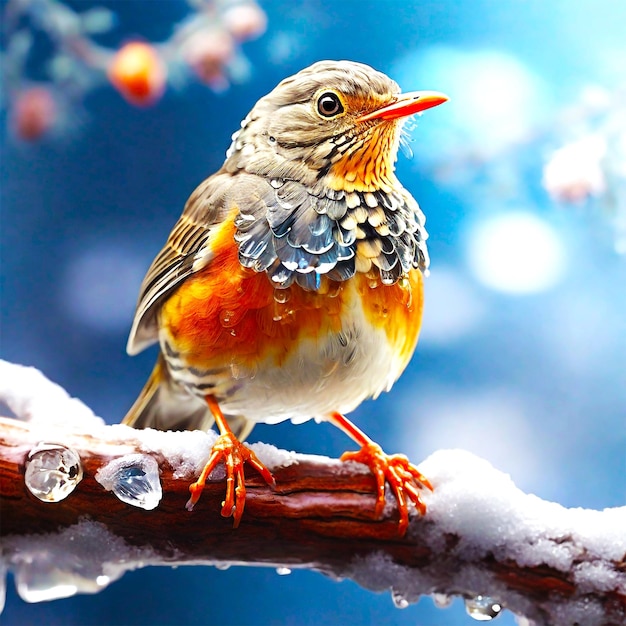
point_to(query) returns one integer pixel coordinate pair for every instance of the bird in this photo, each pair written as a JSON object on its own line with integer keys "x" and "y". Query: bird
{"x": 291, "y": 287}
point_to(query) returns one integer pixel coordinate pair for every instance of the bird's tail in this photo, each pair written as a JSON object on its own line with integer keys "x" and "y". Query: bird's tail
{"x": 163, "y": 405}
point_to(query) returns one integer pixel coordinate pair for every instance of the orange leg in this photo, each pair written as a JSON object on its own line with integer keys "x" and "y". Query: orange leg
{"x": 403, "y": 477}
{"x": 229, "y": 449}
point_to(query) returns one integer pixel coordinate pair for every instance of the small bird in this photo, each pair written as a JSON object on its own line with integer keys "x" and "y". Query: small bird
{"x": 291, "y": 285}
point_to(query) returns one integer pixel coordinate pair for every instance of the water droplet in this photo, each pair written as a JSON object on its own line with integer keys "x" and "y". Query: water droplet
{"x": 283, "y": 571}
{"x": 222, "y": 565}
{"x": 334, "y": 289}
{"x": 442, "y": 600}
{"x": 282, "y": 276}
{"x": 387, "y": 278}
{"x": 134, "y": 479}
{"x": 42, "y": 576}
{"x": 52, "y": 472}
{"x": 282, "y": 295}
{"x": 399, "y": 601}
{"x": 483, "y": 608}
{"x": 236, "y": 371}
{"x": 227, "y": 318}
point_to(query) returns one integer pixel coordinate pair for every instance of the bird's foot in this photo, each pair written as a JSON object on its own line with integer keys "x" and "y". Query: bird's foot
{"x": 234, "y": 454}
{"x": 403, "y": 477}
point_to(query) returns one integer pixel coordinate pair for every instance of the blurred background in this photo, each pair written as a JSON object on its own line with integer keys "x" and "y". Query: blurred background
{"x": 522, "y": 357}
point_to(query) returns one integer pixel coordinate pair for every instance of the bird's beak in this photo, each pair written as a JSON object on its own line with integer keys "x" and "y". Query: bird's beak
{"x": 406, "y": 104}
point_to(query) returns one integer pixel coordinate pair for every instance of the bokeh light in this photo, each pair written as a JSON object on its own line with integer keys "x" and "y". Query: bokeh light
{"x": 515, "y": 252}
{"x": 453, "y": 307}
{"x": 100, "y": 287}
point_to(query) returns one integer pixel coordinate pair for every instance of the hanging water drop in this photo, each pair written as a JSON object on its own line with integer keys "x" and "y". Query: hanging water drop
{"x": 3, "y": 584}
{"x": 334, "y": 289}
{"x": 283, "y": 571}
{"x": 399, "y": 600}
{"x": 52, "y": 472}
{"x": 282, "y": 295}
{"x": 483, "y": 608}
{"x": 134, "y": 479}
{"x": 225, "y": 317}
{"x": 441, "y": 600}
{"x": 222, "y": 565}
{"x": 45, "y": 575}
{"x": 228, "y": 318}
{"x": 387, "y": 278}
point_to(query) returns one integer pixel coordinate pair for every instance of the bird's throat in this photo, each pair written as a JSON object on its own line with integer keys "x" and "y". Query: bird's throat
{"x": 368, "y": 165}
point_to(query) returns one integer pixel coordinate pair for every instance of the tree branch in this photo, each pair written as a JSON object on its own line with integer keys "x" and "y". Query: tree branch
{"x": 480, "y": 536}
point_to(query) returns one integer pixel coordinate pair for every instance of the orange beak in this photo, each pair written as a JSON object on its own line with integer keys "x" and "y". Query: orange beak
{"x": 406, "y": 104}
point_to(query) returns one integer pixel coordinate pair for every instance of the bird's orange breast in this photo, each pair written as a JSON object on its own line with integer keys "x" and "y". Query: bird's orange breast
{"x": 226, "y": 312}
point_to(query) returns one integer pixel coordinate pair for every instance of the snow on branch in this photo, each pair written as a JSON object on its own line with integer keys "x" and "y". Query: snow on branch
{"x": 82, "y": 503}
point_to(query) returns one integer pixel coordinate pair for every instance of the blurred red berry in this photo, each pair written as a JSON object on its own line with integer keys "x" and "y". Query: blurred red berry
{"x": 138, "y": 73}
{"x": 34, "y": 112}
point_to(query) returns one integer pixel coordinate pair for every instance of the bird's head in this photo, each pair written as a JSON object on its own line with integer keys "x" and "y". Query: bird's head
{"x": 335, "y": 123}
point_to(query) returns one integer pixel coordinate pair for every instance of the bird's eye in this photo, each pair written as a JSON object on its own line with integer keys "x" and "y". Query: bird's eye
{"x": 329, "y": 104}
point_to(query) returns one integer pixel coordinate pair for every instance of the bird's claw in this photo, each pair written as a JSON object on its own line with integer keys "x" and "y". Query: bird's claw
{"x": 403, "y": 478}
{"x": 234, "y": 454}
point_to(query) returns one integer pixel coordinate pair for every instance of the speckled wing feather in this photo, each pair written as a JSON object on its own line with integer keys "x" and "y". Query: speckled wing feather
{"x": 296, "y": 234}
{"x": 185, "y": 252}
{"x": 291, "y": 232}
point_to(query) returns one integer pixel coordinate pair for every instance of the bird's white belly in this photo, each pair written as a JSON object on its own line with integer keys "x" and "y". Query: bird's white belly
{"x": 335, "y": 372}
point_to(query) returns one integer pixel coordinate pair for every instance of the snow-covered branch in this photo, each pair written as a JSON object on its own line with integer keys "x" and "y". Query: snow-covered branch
{"x": 481, "y": 538}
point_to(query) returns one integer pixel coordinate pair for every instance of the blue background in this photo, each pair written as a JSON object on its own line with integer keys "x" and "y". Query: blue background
{"x": 533, "y": 382}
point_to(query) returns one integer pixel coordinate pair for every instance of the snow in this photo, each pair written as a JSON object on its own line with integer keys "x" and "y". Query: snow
{"x": 473, "y": 502}
{"x": 490, "y": 514}
{"x": 34, "y": 398}
{"x": 186, "y": 451}
{"x": 273, "y": 457}
{"x": 83, "y": 558}
{"x": 47, "y": 407}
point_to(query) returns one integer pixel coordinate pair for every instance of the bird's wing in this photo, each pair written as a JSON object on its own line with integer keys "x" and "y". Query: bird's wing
{"x": 185, "y": 252}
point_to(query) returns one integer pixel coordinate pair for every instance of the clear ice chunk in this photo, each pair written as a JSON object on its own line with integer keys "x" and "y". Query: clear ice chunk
{"x": 483, "y": 608}
{"x": 134, "y": 479}
{"x": 52, "y": 472}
